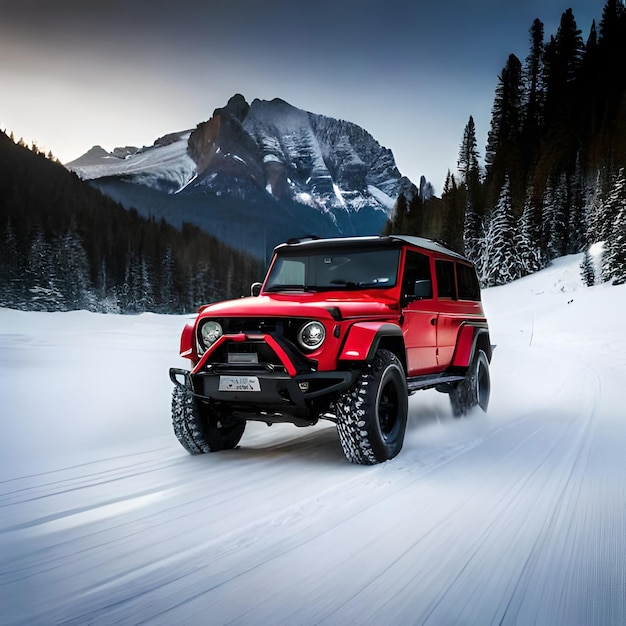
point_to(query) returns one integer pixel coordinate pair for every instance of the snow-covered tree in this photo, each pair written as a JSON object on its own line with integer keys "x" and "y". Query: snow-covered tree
{"x": 72, "y": 271}
{"x": 11, "y": 270}
{"x": 596, "y": 228}
{"x": 614, "y": 260}
{"x": 527, "y": 241}
{"x": 501, "y": 262}
{"x": 44, "y": 290}
{"x": 554, "y": 219}
{"x": 473, "y": 235}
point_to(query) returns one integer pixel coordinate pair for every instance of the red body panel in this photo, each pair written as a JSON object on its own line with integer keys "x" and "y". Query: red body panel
{"x": 437, "y": 332}
{"x": 359, "y": 340}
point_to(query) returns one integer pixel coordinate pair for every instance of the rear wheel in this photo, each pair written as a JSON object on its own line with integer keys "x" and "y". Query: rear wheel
{"x": 197, "y": 429}
{"x": 372, "y": 414}
{"x": 474, "y": 389}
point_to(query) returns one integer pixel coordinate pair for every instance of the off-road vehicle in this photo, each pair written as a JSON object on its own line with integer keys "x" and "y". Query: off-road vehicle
{"x": 341, "y": 329}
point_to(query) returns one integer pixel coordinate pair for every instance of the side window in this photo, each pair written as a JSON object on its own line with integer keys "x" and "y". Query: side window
{"x": 416, "y": 279}
{"x": 469, "y": 289}
{"x": 446, "y": 287}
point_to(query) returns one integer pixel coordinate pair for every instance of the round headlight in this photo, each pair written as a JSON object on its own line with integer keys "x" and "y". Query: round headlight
{"x": 210, "y": 332}
{"x": 311, "y": 335}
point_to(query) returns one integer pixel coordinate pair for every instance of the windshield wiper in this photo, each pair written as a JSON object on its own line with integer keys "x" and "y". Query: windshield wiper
{"x": 290, "y": 288}
{"x": 364, "y": 284}
{"x": 348, "y": 284}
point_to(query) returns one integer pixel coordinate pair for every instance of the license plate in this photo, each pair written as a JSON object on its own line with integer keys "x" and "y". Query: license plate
{"x": 239, "y": 383}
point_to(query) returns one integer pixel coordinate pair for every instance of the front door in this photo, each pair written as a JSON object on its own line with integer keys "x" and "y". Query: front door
{"x": 419, "y": 315}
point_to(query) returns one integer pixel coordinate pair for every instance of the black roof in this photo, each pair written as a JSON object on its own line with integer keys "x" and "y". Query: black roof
{"x": 313, "y": 243}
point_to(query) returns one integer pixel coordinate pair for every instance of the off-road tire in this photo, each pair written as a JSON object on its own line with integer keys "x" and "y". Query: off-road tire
{"x": 474, "y": 389}
{"x": 372, "y": 414}
{"x": 197, "y": 430}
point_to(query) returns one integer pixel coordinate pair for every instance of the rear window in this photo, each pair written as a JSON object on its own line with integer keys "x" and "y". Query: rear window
{"x": 469, "y": 289}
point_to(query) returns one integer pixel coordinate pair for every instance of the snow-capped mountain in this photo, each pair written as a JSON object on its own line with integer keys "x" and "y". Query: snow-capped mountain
{"x": 272, "y": 169}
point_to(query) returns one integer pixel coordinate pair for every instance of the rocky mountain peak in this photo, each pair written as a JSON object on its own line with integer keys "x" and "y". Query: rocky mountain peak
{"x": 269, "y": 166}
{"x": 236, "y": 107}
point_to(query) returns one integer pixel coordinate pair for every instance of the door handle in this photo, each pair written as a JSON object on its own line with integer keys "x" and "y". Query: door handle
{"x": 433, "y": 321}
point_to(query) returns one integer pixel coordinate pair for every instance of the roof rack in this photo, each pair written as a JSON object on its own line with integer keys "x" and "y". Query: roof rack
{"x": 302, "y": 239}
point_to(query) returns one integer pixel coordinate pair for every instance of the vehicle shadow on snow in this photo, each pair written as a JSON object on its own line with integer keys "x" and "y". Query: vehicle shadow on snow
{"x": 320, "y": 444}
{"x": 427, "y": 408}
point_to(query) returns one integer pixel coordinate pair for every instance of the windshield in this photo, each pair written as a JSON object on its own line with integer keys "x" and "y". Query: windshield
{"x": 335, "y": 269}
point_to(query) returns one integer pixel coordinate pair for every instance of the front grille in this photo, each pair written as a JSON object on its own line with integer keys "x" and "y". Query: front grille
{"x": 283, "y": 330}
{"x": 251, "y": 325}
{"x": 264, "y": 356}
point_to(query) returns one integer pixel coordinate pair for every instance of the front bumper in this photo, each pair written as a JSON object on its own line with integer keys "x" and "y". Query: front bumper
{"x": 282, "y": 379}
{"x": 302, "y": 395}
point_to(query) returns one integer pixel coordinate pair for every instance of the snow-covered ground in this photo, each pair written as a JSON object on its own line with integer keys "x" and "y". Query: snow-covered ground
{"x": 514, "y": 517}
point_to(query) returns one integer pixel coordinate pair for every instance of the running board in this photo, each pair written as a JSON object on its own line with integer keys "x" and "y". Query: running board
{"x": 432, "y": 380}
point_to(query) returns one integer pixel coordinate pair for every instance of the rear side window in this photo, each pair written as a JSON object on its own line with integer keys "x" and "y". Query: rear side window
{"x": 446, "y": 287}
{"x": 469, "y": 289}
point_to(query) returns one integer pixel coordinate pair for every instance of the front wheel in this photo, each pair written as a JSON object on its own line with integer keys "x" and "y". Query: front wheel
{"x": 197, "y": 429}
{"x": 372, "y": 414}
{"x": 474, "y": 389}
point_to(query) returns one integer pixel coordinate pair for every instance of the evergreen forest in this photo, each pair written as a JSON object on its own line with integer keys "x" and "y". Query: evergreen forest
{"x": 553, "y": 180}
{"x": 67, "y": 246}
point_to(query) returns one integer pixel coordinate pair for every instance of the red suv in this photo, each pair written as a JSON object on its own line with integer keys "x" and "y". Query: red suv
{"x": 341, "y": 329}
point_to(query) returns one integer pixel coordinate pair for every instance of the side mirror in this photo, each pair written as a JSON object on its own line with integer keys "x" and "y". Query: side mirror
{"x": 255, "y": 289}
{"x": 423, "y": 289}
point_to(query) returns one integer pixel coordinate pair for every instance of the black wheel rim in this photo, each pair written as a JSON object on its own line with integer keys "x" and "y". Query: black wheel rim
{"x": 482, "y": 386}
{"x": 388, "y": 407}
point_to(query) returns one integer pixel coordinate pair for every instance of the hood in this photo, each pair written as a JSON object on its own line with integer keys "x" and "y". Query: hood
{"x": 316, "y": 305}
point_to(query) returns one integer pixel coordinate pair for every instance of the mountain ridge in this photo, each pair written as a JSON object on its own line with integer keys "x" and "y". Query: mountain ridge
{"x": 280, "y": 169}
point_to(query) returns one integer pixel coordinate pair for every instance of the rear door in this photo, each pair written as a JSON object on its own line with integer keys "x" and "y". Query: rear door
{"x": 458, "y": 299}
{"x": 449, "y": 317}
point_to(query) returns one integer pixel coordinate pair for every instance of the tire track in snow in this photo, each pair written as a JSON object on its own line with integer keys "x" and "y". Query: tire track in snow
{"x": 201, "y": 567}
{"x": 295, "y": 519}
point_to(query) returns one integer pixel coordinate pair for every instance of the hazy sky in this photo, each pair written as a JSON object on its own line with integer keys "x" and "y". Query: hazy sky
{"x": 75, "y": 73}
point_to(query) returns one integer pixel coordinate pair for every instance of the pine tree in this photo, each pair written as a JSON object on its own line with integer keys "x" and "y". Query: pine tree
{"x": 554, "y": 219}
{"x": 504, "y": 153}
{"x": 506, "y": 112}
{"x": 534, "y": 74}
{"x": 468, "y": 162}
{"x": 564, "y": 56}
{"x": 11, "y": 270}
{"x": 528, "y": 241}
{"x": 44, "y": 292}
{"x": 597, "y": 228}
{"x": 167, "y": 287}
{"x": 72, "y": 270}
{"x": 576, "y": 218}
{"x": 587, "y": 272}
{"x": 614, "y": 261}
{"x": 472, "y": 235}
{"x": 501, "y": 262}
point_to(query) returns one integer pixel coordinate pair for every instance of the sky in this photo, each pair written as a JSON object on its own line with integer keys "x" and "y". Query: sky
{"x": 79, "y": 73}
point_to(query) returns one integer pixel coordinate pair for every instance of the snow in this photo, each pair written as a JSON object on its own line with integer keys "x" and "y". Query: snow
{"x": 168, "y": 162}
{"x": 513, "y": 517}
{"x": 385, "y": 200}
{"x": 338, "y": 195}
